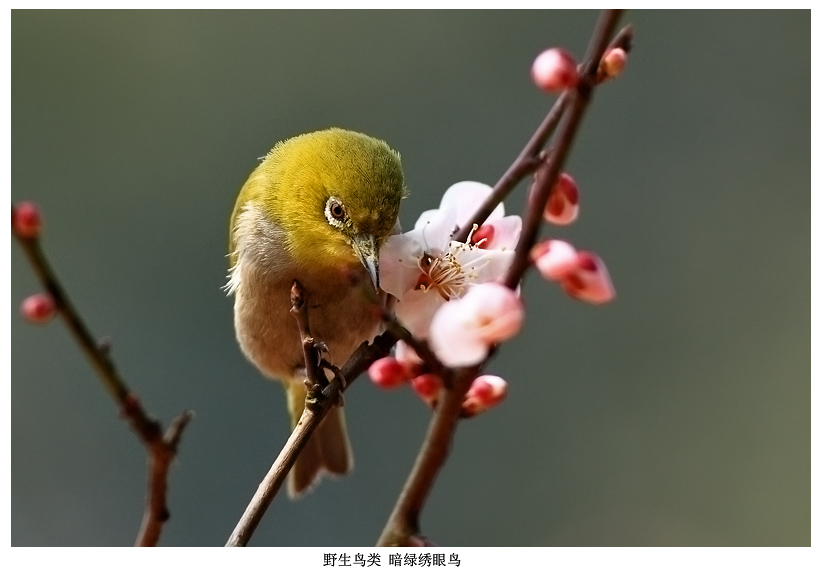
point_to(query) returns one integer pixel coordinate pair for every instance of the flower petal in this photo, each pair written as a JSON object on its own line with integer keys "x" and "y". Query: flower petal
{"x": 453, "y": 342}
{"x": 466, "y": 197}
{"x": 555, "y": 259}
{"x": 416, "y": 309}
{"x": 463, "y": 330}
{"x": 480, "y": 265}
{"x": 435, "y": 228}
{"x": 399, "y": 263}
{"x": 506, "y": 233}
{"x": 590, "y": 281}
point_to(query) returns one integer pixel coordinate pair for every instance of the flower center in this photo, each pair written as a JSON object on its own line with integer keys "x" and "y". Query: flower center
{"x": 442, "y": 274}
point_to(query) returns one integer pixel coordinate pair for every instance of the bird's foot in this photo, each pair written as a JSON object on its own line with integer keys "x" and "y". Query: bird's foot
{"x": 334, "y": 388}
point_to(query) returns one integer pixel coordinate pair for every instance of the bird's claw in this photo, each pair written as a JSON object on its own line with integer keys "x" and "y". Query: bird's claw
{"x": 330, "y": 388}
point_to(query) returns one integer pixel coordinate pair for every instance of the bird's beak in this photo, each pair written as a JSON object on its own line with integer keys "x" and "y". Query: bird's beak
{"x": 365, "y": 246}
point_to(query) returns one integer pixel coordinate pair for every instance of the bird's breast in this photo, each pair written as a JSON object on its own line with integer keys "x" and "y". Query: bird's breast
{"x": 341, "y": 310}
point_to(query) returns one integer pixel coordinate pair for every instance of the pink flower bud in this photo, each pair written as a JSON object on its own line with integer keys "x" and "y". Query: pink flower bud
{"x": 483, "y": 236}
{"x": 555, "y": 70}
{"x": 387, "y": 372}
{"x": 26, "y": 221}
{"x": 554, "y": 259}
{"x": 613, "y": 63}
{"x": 590, "y": 281}
{"x": 486, "y": 391}
{"x": 38, "y": 308}
{"x": 563, "y": 201}
{"x": 463, "y": 330}
{"x": 427, "y": 386}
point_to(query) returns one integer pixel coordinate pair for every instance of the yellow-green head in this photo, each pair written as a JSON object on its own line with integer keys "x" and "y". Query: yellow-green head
{"x": 334, "y": 193}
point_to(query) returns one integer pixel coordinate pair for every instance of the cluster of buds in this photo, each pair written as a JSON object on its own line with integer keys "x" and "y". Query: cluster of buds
{"x": 581, "y": 274}
{"x": 26, "y": 223}
{"x": 485, "y": 392}
{"x": 555, "y": 70}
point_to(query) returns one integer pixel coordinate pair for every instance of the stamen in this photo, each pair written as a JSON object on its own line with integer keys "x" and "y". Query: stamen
{"x": 443, "y": 274}
{"x": 471, "y": 232}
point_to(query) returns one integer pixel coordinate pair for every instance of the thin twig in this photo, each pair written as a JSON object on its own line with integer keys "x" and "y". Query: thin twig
{"x": 160, "y": 456}
{"x": 273, "y": 480}
{"x": 361, "y": 359}
{"x": 161, "y": 449}
{"x": 403, "y": 523}
{"x": 310, "y": 354}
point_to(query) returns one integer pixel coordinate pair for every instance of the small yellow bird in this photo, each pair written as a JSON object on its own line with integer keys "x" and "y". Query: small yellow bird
{"x": 316, "y": 210}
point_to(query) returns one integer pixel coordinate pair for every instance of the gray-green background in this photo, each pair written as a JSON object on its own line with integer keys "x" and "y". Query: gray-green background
{"x": 678, "y": 415}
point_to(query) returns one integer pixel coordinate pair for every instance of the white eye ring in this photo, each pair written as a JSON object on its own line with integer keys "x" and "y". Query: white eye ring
{"x": 335, "y": 212}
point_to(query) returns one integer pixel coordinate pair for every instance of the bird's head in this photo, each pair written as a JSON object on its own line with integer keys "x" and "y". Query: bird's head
{"x": 335, "y": 195}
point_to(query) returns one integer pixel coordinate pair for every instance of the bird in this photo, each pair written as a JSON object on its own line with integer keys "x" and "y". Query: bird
{"x": 316, "y": 210}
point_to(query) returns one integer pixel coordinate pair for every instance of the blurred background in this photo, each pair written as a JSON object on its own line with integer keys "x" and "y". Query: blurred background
{"x": 677, "y": 415}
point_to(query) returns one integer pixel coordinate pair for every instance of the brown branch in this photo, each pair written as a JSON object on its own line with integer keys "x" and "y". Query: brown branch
{"x": 403, "y": 524}
{"x": 310, "y": 354}
{"x": 161, "y": 449}
{"x": 317, "y": 406}
{"x": 160, "y": 456}
{"x": 275, "y": 477}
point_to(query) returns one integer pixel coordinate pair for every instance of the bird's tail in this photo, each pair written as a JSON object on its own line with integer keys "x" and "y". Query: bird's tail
{"x": 327, "y": 451}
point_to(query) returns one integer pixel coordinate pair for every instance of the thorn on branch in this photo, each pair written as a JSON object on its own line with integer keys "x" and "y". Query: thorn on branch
{"x": 175, "y": 430}
{"x": 104, "y": 345}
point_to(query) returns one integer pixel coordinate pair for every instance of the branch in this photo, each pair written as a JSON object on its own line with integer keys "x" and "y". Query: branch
{"x": 403, "y": 524}
{"x": 161, "y": 448}
{"x": 162, "y": 451}
{"x": 317, "y": 405}
{"x": 312, "y": 358}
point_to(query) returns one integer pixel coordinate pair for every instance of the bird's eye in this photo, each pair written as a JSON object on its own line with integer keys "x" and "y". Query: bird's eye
{"x": 335, "y": 212}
